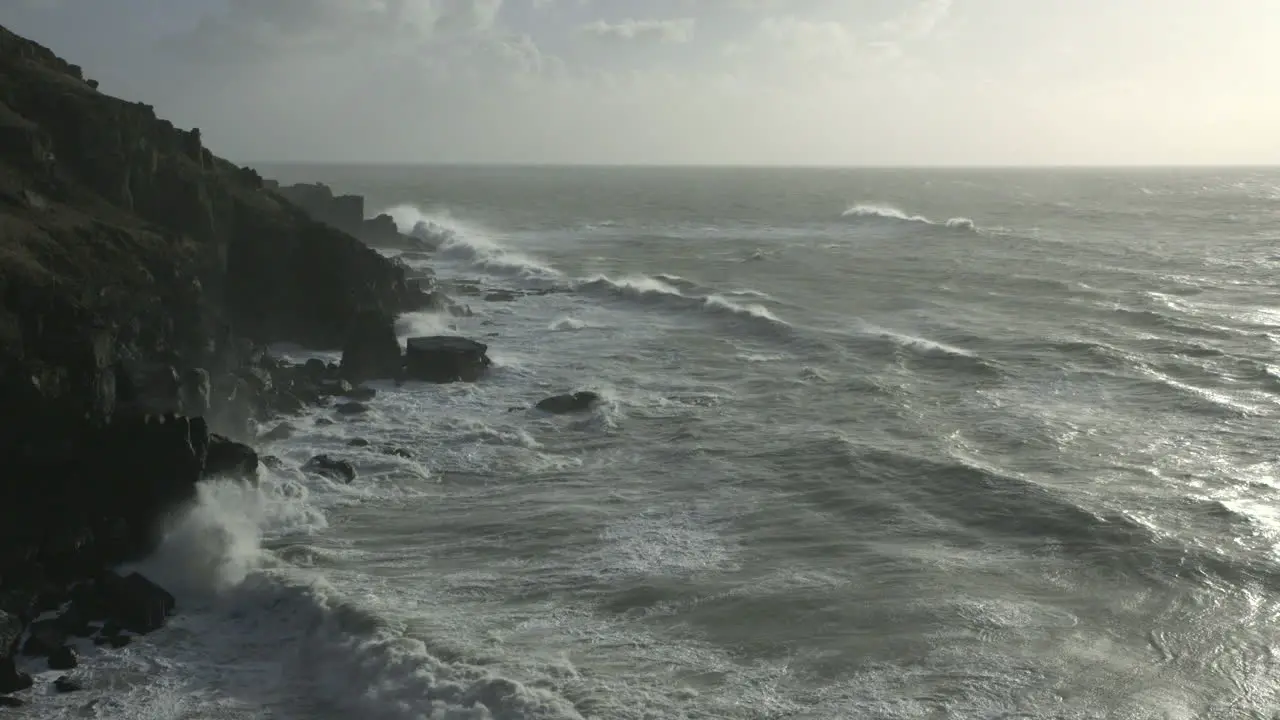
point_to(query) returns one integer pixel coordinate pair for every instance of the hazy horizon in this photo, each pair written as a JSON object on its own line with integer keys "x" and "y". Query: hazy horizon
{"x": 702, "y": 83}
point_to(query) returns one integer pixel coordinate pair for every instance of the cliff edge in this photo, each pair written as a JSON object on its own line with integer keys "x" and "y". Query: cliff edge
{"x": 140, "y": 278}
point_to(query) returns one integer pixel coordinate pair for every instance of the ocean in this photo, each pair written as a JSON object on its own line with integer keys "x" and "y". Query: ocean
{"x": 874, "y": 444}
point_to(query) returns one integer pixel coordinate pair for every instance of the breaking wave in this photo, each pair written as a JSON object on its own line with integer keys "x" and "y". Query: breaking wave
{"x": 244, "y": 603}
{"x": 678, "y": 293}
{"x": 464, "y": 243}
{"x": 890, "y": 213}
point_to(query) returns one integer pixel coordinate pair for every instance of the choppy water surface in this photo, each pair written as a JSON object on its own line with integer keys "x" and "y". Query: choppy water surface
{"x": 877, "y": 444}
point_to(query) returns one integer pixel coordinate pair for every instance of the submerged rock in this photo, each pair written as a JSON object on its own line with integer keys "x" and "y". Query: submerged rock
{"x": 332, "y": 468}
{"x": 446, "y": 358}
{"x": 571, "y": 402}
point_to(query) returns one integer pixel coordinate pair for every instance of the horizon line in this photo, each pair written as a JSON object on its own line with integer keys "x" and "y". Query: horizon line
{"x": 753, "y": 166}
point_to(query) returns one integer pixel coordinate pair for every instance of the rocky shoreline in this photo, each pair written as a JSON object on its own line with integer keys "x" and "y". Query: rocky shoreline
{"x": 141, "y": 280}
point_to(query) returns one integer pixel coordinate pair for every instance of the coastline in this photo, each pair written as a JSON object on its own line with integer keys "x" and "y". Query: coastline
{"x": 143, "y": 280}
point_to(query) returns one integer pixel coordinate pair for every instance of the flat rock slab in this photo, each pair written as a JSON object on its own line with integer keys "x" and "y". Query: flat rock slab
{"x": 445, "y": 358}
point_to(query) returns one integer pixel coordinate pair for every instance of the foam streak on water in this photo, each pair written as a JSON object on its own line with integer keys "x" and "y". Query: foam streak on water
{"x": 853, "y": 460}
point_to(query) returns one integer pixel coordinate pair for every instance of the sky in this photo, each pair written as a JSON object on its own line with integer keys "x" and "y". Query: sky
{"x": 719, "y": 82}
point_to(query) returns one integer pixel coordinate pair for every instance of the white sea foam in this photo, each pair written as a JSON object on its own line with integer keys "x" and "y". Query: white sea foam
{"x": 876, "y": 211}
{"x": 468, "y": 243}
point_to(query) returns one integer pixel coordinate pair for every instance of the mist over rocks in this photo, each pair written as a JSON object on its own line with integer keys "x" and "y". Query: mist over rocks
{"x": 141, "y": 279}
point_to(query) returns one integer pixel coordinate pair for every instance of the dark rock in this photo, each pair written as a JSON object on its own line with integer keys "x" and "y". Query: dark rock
{"x": 136, "y": 603}
{"x": 323, "y": 421}
{"x": 66, "y": 684}
{"x": 11, "y": 702}
{"x": 11, "y": 679}
{"x": 332, "y": 468}
{"x": 119, "y": 641}
{"x": 333, "y": 387}
{"x": 372, "y": 350}
{"x": 315, "y": 369}
{"x": 352, "y": 408}
{"x": 500, "y": 296}
{"x": 64, "y": 658}
{"x": 446, "y": 358}
{"x": 195, "y": 392}
{"x": 283, "y": 431}
{"x": 399, "y": 452}
{"x": 45, "y": 637}
{"x": 228, "y": 458}
{"x": 357, "y": 442}
{"x": 362, "y": 394}
{"x": 568, "y": 403}
{"x": 11, "y": 628}
{"x": 272, "y": 462}
{"x": 87, "y": 602}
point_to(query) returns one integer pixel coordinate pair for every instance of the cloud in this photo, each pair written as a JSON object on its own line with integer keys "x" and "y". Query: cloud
{"x": 671, "y": 31}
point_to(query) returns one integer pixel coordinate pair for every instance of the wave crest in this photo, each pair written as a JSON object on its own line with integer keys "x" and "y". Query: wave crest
{"x": 654, "y": 291}
{"x": 889, "y": 213}
{"x": 467, "y": 244}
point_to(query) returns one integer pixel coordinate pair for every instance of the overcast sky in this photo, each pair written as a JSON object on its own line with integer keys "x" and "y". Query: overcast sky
{"x": 829, "y": 82}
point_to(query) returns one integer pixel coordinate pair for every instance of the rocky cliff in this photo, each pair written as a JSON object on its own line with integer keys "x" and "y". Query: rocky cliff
{"x": 140, "y": 273}
{"x": 347, "y": 213}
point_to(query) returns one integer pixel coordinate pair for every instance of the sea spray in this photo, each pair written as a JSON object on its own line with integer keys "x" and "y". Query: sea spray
{"x": 468, "y": 243}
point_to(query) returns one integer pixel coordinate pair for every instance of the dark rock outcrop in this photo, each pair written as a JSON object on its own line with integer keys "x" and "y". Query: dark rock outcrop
{"x": 347, "y": 213}
{"x": 445, "y": 358}
{"x": 136, "y": 603}
{"x": 571, "y": 402}
{"x": 229, "y": 459}
{"x": 66, "y": 684}
{"x": 64, "y": 658}
{"x": 11, "y": 679}
{"x": 332, "y": 468}
{"x": 372, "y": 350}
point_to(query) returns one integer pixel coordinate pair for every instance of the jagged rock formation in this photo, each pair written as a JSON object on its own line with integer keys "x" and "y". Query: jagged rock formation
{"x": 140, "y": 277}
{"x": 347, "y": 213}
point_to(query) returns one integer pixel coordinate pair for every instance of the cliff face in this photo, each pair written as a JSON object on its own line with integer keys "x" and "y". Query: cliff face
{"x": 127, "y": 246}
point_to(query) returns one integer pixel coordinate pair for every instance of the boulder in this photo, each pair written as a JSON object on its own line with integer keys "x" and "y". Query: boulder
{"x": 11, "y": 679}
{"x": 45, "y": 637}
{"x": 332, "y": 468}
{"x": 136, "y": 603}
{"x": 11, "y": 702}
{"x": 66, "y": 684}
{"x": 352, "y": 408}
{"x": 361, "y": 394}
{"x": 570, "y": 402}
{"x": 357, "y": 442}
{"x": 228, "y": 458}
{"x": 500, "y": 296}
{"x": 445, "y": 358}
{"x": 64, "y": 658}
{"x": 372, "y": 350}
{"x": 283, "y": 431}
